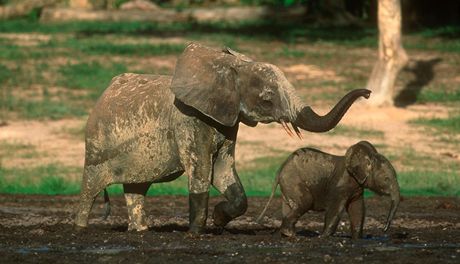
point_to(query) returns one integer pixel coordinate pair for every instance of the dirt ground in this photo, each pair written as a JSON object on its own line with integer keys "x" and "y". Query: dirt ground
{"x": 38, "y": 229}
{"x": 56, "y": 144}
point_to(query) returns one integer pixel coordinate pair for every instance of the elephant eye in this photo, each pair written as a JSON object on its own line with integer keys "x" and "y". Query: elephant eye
{"x": 266, "y": 94}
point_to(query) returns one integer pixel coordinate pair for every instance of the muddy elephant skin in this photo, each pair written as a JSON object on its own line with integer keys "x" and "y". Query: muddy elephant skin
{"x": 313, "y": 180}
{"x": 151, "y": 128}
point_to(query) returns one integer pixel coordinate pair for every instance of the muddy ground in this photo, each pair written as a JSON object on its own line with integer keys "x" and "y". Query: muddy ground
{"x": 38, "y": 229}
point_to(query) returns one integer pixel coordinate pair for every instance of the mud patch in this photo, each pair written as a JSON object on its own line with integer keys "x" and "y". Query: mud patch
{"x": 422, "y": 230}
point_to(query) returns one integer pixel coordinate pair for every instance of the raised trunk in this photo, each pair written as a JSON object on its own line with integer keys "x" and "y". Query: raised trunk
{"x": 308, "y": 120}
{"x": 393, "y": 208}
{"x": 392, "y": 56}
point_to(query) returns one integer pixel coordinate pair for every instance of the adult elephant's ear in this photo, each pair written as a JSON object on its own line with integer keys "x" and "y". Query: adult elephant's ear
{"x": 205, "y": 79}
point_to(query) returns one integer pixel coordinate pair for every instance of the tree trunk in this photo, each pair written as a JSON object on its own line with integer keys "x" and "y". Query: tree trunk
{"x": 392, "y": 56}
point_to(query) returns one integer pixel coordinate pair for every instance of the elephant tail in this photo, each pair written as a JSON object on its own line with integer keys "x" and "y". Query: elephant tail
{"x": 275, "y": 185}
{"x": 106, "y": 204}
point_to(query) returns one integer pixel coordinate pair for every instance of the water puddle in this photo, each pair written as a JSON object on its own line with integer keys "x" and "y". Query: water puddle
{"x": 383, "y": 243}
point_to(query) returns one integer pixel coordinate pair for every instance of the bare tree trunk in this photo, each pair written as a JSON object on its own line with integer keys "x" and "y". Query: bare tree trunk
{"x": 22, "y": 8}
{"x": 392, "y": 56}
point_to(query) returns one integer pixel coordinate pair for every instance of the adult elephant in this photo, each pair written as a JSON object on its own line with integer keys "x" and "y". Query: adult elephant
{"x": 150, "y": 128}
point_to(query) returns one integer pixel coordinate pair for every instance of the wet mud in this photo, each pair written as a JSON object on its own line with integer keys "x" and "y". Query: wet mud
{"x": 39, "y": 229}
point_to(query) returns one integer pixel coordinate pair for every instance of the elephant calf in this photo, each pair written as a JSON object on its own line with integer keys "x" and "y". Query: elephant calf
{"x": 313, "y": 180}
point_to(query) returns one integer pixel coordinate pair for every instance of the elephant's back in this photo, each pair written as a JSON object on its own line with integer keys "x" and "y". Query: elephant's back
{"x": 308, "y": 167}
{"x": 131, "y": 95}
{"x": 133, "y": 105}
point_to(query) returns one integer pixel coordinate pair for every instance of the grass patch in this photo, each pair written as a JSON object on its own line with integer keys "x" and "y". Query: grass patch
{"x": 450, "y": 31}
{"x": 288, "y": 52}
{"x": 449, "y": 125}
{"x": 258, "y": 180}
{"x": 429, "y": 183}
{"x": 100, "y": 46}
{"x": 18, "y": 150}
{"x": 438, "y": 96}
{"x": 44, "y": 109}
{"x": 91, "y": 76}
{"x": 266, "y": 29}
{"x": 49, "y": 179}
{"x": 441, "y": 46}
{"x": 53, "y": 179}
{"x": 75, "y": 132}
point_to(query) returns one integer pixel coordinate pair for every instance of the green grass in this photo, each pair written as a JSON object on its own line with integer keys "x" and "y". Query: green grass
{"x": 429, "y": 183}
{"x": 258, "y": 181}
{"x": 288, "y": 52}
{"x": 290, "y": 32}
{"x": 449, "y": 125}
{"x": 48, "y": 109}
{"x": 18, "y": 150}
{"x": 442, "y": 46}
{"x": 100, "y": 46}
{"x": 92, "y": 76}
{"x": 441, "y": 96}
{"x": 49, "y": 179}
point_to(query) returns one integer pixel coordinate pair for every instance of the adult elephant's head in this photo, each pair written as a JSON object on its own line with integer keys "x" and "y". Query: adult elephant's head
{"x": 228, "y": 87}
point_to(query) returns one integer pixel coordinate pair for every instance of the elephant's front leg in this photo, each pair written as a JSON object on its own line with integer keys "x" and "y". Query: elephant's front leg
{"x": 332, "y": 218}
{"x": 226, "y": 180}
{"x": 355, "y": 210}
{"x": 135, "y": 195}
{"x": 199, "y": 181}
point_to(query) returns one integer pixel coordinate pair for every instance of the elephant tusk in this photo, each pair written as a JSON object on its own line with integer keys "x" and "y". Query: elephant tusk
{"x": 297, "y": 131}
{"x": 287, "y": 129}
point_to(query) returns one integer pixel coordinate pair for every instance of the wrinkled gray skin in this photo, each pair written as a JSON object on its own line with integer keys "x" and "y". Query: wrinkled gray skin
{"x": 150, "y": 128}
{"x": 314, "y": 180}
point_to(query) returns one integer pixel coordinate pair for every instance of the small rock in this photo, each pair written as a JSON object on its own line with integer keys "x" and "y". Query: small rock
{"x": 38, "y": 232}
{"x": 327, "y": 258}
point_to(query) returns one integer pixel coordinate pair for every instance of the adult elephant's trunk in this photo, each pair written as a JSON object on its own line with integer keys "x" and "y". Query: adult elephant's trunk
{"x": 394, "y": 206}
{"x": 308, "y": 120}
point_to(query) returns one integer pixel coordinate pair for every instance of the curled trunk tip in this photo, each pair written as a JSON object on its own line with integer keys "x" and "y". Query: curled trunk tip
{"x": 308, "y": 120}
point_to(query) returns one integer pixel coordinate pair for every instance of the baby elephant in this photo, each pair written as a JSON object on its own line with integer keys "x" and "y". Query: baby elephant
{"x": 314, "y": 180}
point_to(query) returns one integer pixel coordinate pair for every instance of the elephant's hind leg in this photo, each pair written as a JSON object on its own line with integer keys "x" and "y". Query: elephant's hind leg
{"x": 92, "y": 184}
{"x": 292, "y": 211}
{"x": 135, "y": 196}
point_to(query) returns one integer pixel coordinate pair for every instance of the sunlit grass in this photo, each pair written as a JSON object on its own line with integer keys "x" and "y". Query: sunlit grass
{"x": 436, "y": 183}
{"x": 257, "y": 181}
{"x": 439, "y": 96}
{"x": 49, "y": 179}
{"x": 448, "y": 125}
